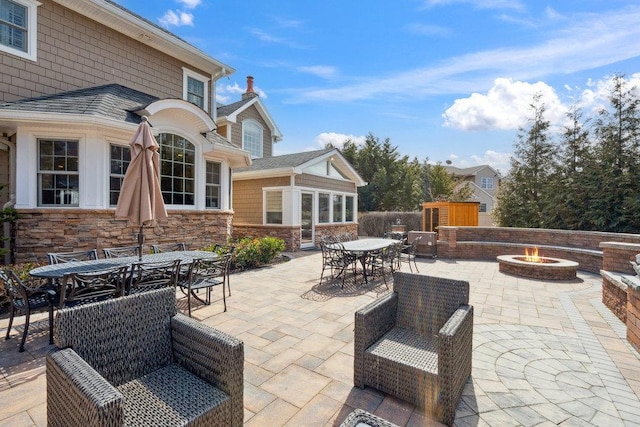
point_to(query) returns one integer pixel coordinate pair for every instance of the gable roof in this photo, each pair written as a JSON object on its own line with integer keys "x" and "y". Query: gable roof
{"x": 470, "y": 171}
{"x": 110, "y": 101}
{"x": 231, "y": 111}
{"x": 296, "y": 163}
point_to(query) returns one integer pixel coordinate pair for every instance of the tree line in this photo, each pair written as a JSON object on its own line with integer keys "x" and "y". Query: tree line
{"x": 397, "y": 183}
{"x": 584, "y": 177}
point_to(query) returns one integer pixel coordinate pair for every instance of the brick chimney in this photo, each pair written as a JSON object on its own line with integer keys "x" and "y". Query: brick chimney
{"x": 249, "y": 92}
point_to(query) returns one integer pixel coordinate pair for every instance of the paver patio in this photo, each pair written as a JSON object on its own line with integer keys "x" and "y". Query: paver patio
{"x": 545, "y": 353}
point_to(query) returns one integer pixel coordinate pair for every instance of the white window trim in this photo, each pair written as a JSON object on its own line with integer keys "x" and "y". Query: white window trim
{"x": 486, "y": 183}
{"x": 219, "y": 185}
{"x": 264, "y": 203}
{"x": 32, "y": 32}
{"x": 261, "y": 136}
{"x": 186, "y": 73}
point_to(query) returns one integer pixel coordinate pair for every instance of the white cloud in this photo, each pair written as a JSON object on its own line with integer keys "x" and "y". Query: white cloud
{"x": 337, "y": 139}
{"x": 618, "y": 40}
{"x": 230, "y": 92}
{"x": 176, "y": 18}
{"x": 480, "y": 4}
{"x": 324, "y": 71}
{"x": 190, "y": 4}
{"x": 427, "y": 30}
{"x": 505, "y": 106}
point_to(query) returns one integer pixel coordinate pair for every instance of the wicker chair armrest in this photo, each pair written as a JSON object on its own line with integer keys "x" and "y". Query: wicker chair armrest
{"x": 214, "y": 356}
{"x": 454, "y": 358}
{"x": 371, "y": 323}
{"x": 77, "y": 395}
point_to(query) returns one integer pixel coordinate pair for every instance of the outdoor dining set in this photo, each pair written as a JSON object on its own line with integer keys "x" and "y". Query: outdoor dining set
{"x": 78, "y": 278}
{"x": 342, "y": 254}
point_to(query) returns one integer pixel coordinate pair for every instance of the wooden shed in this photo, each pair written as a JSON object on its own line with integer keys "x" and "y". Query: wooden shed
{"x": 435, "y": 214}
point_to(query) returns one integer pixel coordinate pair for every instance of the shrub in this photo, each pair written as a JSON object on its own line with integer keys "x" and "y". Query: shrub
{"x": 252, "y": 252}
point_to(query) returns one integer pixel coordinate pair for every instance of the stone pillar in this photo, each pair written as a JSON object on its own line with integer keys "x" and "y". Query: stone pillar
{"x": 633, "y": 310}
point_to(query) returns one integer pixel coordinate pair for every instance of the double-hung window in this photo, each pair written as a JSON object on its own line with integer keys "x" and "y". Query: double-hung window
{"x": 273, "y": 200}
{"x": 486, "y": 183}
{"x": 18, "y": 28}
{"x": 120, "y": 158}
{"x": 58, "y": 174}
{"x": 349, "y": 208}
{"x": 195, "y": 89}
{"x": 337, "y": 208}
{"x": 212, "y": 185}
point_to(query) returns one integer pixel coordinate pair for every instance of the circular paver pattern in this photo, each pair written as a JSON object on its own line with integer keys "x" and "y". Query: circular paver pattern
{"x": 535, "y": 376}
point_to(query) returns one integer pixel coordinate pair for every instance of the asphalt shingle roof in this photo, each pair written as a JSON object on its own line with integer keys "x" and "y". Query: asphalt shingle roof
{"x": 284, "y": 161}
{"x": 111, "y": 101}
{"x": 225, "y": 110}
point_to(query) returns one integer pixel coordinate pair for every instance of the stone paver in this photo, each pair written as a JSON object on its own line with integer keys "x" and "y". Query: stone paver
{"x": 545, "y": 353}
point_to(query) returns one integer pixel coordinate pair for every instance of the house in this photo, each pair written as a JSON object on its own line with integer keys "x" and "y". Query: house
{"x": 297, "y": 197}
{"x": 484, "y": 181}
{"x": 77, "y": 77}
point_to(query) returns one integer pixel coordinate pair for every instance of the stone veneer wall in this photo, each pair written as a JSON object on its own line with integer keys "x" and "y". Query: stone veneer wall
{"x": 40, "y": 231}
{"x": 289, "y": 233}
{"x": 616, "y": 263}
{"x": 633, "y": 315}
{"x": 487, "y": 243}
{"x": 335, "y": 230}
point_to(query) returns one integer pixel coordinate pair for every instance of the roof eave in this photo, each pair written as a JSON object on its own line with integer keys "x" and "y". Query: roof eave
{"x": 143, "y": 31}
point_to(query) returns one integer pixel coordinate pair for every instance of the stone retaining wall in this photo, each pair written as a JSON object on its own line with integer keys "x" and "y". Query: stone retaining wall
{"x": 40, "y": 231}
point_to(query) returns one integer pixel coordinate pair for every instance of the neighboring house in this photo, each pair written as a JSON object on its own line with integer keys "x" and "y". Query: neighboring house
{"x": 484, "y": 181}
{"x": 76, "y": 78}
{"x": 299, "y": 197}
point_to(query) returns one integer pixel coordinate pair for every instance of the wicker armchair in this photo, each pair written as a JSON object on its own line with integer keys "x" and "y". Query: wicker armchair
{"x": 135, "y": 361}
{"x": 416, "y": 343}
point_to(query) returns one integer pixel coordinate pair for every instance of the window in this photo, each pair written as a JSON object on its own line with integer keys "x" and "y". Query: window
{"x": 324, "y": 200}
{"x": 120, "y": 158}
{"x": 252, "y": 138}
{"x": 486, "y": 183}
{"x": 195, "y": 89}
{"x": 212, "y": 196}
{"x": 273, "y": 201}
{"x": 177, "y": 169}
{"x": 482, "y": 207}
{"x": 58, "y": 180}
{"x": 18, "y": 28}
{"x": 337, "y": 208}
{"x": 348, "y": 208}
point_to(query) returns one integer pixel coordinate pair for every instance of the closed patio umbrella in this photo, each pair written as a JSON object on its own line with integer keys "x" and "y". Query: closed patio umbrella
{"x": 140, "y": 199}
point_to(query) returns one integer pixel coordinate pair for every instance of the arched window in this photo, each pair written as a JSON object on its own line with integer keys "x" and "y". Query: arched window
{"x": 177, "y": 169}
{"x": 252, "y": 138}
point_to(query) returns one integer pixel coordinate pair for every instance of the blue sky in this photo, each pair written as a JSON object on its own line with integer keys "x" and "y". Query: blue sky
{"x": 442, "y": 79}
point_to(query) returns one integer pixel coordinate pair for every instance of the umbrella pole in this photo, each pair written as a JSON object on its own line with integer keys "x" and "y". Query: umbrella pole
{"x": 140, "y": 242}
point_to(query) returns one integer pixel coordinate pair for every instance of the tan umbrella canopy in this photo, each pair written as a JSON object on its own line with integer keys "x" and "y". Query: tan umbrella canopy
{"x": 140, "y": 199}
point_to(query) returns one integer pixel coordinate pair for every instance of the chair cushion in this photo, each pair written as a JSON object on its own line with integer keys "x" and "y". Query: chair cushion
{"x": 405, "y": 364}
{"x": 407, "y": 347}
{"x": 173, "y": 396}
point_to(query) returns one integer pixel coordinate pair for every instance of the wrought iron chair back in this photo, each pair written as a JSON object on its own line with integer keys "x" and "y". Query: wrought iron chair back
{"x": 84, "y": 288}
{"x": 145, "y": 276}
{"x": 61, "y": 257}
{"x": 121, "y": 252}
{"x": 168, "y": 247}
{"x": 26, "y": 298}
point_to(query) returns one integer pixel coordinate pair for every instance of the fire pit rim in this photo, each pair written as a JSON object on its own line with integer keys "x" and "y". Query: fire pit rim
{"x": 561, "y": 269}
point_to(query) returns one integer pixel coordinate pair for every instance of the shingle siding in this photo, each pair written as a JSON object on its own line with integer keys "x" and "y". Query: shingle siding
{"x": 320, "y": 182}
{"x": 76, "y": 52}
{"x": 252, "y": 114}
{"x": 247, "y": 198}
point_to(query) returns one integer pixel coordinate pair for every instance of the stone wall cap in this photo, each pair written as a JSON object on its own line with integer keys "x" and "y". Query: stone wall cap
{"x": 621, "y": 245}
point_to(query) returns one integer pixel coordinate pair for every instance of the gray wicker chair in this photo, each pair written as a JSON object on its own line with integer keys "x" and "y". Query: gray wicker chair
{"x": 416, "y": 343}
{"x": 135, "y": 361}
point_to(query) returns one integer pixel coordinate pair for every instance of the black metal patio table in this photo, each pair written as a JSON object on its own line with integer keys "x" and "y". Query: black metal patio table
{"x": 59, "y": 271}
{"x": 361, "y": 249}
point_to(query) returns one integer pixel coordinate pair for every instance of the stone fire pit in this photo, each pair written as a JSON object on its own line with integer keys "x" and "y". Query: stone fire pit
{"x": 543, "y": 268}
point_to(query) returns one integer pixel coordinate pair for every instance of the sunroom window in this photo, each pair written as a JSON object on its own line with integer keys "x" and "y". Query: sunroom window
{"x": 273, "y": 201}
